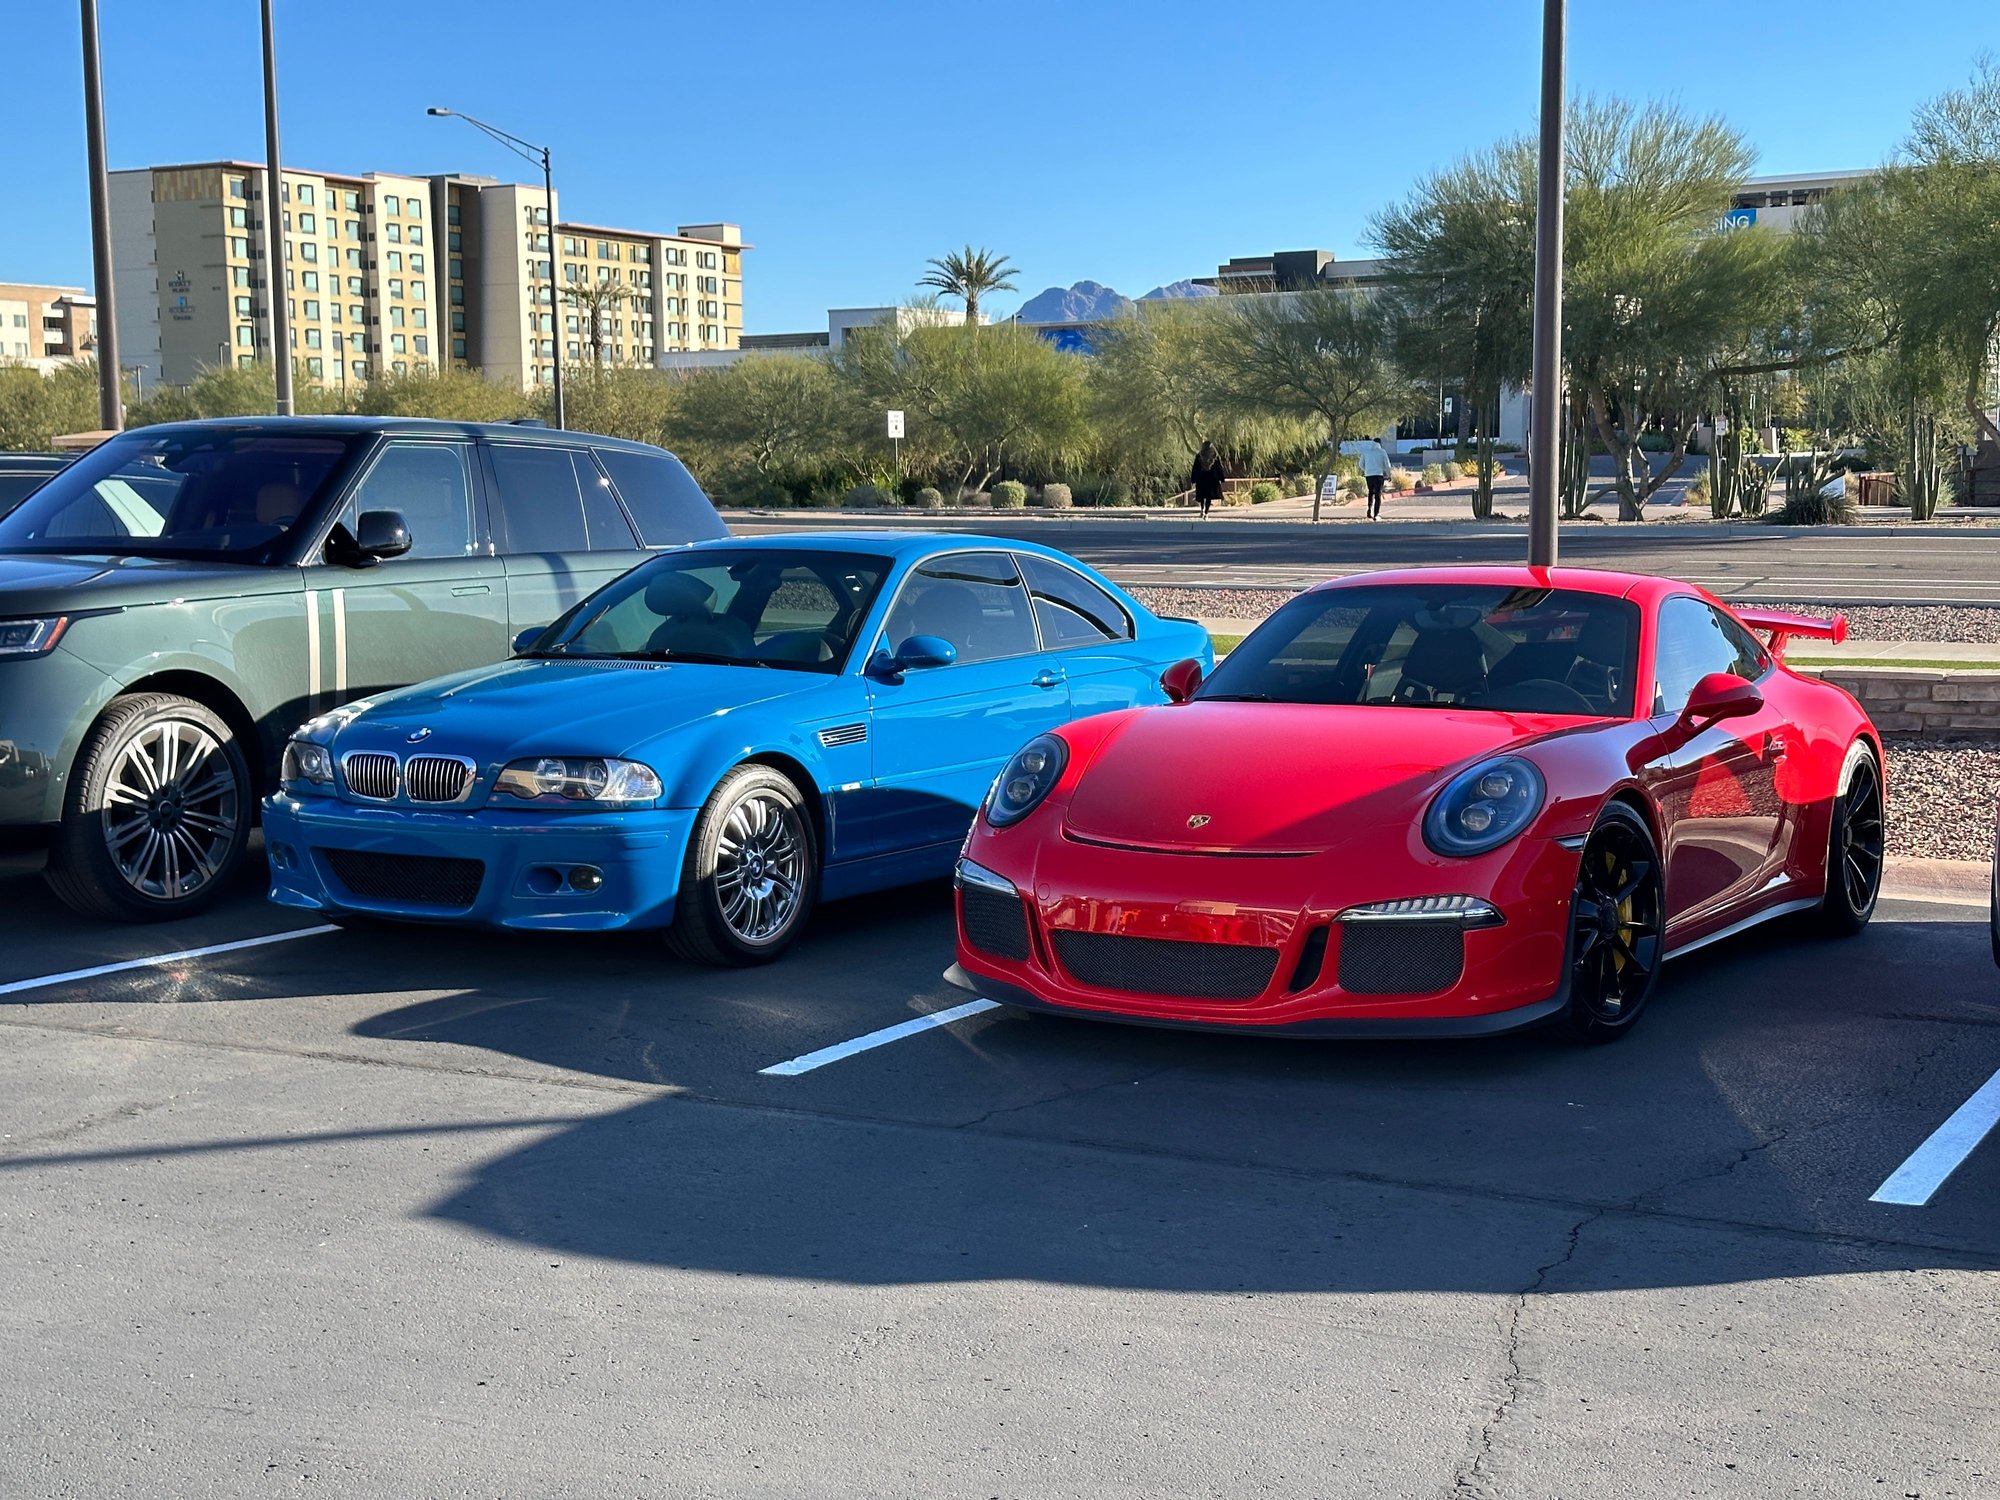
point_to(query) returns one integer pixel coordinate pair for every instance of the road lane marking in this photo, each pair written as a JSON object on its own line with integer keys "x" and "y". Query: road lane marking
{"x": 1916, "y": 1180}
{"x": 159, "y": 960}
{"x": 797, "y": 1065}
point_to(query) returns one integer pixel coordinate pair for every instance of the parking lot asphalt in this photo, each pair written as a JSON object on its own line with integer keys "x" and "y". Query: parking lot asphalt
{"x": 416, "y": 1211}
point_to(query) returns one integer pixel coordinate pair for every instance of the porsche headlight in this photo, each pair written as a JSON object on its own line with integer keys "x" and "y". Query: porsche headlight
{"x": 308, "y": 764}
{"x": 568, "y": 778}
{"x": 1026, "y": 780}
{"x": 1481, "y": 809}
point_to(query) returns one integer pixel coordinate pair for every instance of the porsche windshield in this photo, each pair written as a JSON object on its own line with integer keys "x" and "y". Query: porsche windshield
{"x": 798, "y": 610}
{"x": 1507, "y": 650}
{"x": 228, "y": 494}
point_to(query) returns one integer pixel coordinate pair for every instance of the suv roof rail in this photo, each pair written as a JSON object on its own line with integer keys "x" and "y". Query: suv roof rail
{"x": 526, "y": 422}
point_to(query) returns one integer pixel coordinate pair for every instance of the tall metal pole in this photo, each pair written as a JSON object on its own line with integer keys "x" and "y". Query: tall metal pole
{"x": 110, "y": 398}
{"x": 1545, "y": 441}
{"x": 555, "y": 321}
{"x": 274, "y": 223}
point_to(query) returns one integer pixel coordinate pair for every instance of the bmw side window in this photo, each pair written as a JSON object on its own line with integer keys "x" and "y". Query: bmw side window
{"x": 1695, "y": 640}
{"x": 1069, "y": 608}
{"x": 975, "y": 600}
{"x": 429, "y": 485}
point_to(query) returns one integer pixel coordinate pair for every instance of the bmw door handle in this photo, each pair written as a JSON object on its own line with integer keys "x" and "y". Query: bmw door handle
{"x": 1047, "y": 678}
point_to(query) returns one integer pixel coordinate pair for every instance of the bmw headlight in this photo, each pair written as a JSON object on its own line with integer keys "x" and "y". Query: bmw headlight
{"x": 1481, "y": 809}
{"x": 307, "y": 765}
{"x": 569, "y": 778}
{"x": 1026, "y": 780}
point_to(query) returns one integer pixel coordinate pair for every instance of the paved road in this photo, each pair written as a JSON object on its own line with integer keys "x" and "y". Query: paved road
{"x": 407, "y": 1212}
{"x": 1875, "y": 563}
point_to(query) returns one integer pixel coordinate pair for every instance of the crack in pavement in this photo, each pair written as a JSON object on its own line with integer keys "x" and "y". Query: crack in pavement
{"x": 1081, "y": 1092}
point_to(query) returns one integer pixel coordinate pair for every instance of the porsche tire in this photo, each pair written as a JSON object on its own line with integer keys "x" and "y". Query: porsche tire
{"x": 158, "y": 812}
{"x": 1617, "y": 936}
{"x": 1855, "y": 847}
{"x": 751, "y": 872}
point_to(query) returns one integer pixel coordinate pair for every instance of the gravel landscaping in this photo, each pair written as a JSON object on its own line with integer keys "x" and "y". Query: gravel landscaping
{"x": 1941, "y": 797}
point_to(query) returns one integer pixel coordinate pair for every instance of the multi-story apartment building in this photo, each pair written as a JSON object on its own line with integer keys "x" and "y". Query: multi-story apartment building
{"x": 394, "y": 273}
{"x": 45, "y": 325}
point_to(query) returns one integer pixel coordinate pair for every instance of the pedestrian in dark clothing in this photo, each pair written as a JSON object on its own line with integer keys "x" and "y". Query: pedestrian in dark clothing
{"x": 1207, "y": 478}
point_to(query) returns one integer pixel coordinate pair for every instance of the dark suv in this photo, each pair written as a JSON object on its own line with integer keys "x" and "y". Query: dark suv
{"x": 178, "y": 600}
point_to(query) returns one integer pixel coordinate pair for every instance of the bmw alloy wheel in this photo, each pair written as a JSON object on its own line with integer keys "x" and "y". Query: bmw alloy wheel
{"x": 760, "y": 867}
{"x": 751, "y": 873}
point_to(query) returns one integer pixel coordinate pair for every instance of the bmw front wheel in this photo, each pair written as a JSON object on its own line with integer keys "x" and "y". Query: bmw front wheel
{"x": 751, "y": 873}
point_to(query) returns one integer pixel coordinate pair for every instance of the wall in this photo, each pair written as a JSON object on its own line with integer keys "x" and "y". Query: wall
{"x": 1911, "y": 700}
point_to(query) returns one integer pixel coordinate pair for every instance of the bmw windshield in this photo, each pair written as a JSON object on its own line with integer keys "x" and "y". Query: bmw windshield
{"x": 1465, "y": 646}
{"x": 229, "y": 495}
{"x": 751, "y": 607}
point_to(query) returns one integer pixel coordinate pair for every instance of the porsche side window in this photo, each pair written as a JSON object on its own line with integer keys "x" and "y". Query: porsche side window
{"x": 975, "y": 600}
{"x": 1694, "y": 640}
{"x": 1071, "y": 610}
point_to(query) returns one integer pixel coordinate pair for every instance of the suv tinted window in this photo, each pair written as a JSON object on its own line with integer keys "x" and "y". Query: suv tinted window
{"x": 1072, "y": 610}
{"x": 606, "y": 523}
{"x": 972, "y": 599}
{"x": 662, "y": 497}
{"x": 1696, "y": 639}
{"x": 428, "y": 485}
{"x": 538, "y": 504}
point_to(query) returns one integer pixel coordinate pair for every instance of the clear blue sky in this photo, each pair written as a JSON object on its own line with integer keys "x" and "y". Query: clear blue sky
{"x": 1132, "y": 143}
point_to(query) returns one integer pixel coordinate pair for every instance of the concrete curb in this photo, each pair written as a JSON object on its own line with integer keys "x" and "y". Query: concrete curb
{"x": 1950, "y": 882}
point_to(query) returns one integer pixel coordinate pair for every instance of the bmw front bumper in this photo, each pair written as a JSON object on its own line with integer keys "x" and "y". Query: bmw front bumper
{"x": 575, "y": 872}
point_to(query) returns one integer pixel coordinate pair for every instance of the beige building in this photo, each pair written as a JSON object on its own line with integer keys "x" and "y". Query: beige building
{"x": 396, "y": 273}
{"x": 42, "y": 326}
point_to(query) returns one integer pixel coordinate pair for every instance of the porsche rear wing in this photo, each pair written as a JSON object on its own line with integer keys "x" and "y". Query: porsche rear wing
{"x": 1779, "y": 626}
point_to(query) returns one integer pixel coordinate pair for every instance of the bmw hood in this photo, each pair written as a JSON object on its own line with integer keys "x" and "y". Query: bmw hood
{"x": 1276, "y": 778}
{"x": 539, "y": 707}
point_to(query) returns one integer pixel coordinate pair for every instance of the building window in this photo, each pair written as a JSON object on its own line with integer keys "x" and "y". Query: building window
{"x": 419, "y": 292}
{"x": 236, "y": 189}
{"x": 458, "y": 348}
{"x": 606, "y": 250}
{"x": 458, "y": 322}
{"x": 705, "y": 259}
{"x": 246, "y": 336}
{"x": 239, "y": 218}
{"x": 451, "y": 213}
{"x": 312, "y": 338}
{"x": 355, "y": 314}
{"x": 360, "y": 369}
{"x": 456, "y": 268}
{"x": 311, "y": 280}
{"x": 676, "y": 257}
{"x": 354, "y": 260}
{"x": 416, "y": 263}
{"x": 423, "y": 344}
{"x": 398, "y": 344}
{"x": 458, "y": 294}
{"x": 333, "y": 309}
{"x": 643, "y": 254}
{"x": 416, "y": 231}
{"x": 575, "y": 349}
{"x": 351, "y": 201}
{"x": 239, "y": 276}
{"x": 242, "y": 307}
{"x": 395, "y": 317}
{"x": 308, "y": 251}
{"x": 353, "y": 230}
{"x": 455, "y": 240}
{"x": 392, "y": 204}
{"x": 393, "y": 233}
{"x": 420, "y": 318}
{"x": 395, "y": 260}
{"x": 332, "y": 228}
{"x": 414, "y": 208}
{"x": 315, "y": 367}
{"x": 245, "y": 361}
{"x": 395, "y": 287}
{"x": 308, "y": 224}
{"x": 312, "y": 309}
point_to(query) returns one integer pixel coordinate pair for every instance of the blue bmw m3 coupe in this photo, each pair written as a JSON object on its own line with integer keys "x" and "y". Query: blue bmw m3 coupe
{"x": 714, "y": 741}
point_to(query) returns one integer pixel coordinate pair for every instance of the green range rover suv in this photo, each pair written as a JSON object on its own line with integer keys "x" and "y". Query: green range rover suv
{"x": 178, "y": 600}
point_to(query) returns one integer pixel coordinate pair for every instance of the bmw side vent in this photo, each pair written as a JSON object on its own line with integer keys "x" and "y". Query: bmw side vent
{"x": 843, "y": 734}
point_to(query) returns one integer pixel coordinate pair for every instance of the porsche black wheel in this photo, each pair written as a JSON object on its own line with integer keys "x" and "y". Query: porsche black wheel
{"x": 752, "y": 872}
{"x": 1617, "y": 928}
{"x": 1855, "y": 845}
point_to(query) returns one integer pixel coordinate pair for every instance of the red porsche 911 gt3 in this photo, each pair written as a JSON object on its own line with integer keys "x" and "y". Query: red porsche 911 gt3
{"x": 1441, "y": 802}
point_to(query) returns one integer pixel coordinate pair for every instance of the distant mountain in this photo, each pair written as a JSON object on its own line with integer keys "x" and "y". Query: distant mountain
{"x": 1178, "y": 289}
{"x": 1086, "y": 302}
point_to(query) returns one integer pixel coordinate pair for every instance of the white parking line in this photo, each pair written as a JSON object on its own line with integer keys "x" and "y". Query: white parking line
{"x": 73, "y": 975}
{"x": 882, "y": 1038}
{"x": 1916, "y": 1180}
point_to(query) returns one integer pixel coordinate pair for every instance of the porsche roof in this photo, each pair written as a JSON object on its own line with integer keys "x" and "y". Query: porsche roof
{"x": 1637, "y": 586}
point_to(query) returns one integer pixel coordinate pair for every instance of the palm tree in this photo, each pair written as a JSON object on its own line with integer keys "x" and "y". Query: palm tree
{"x": 970, "y": 274}
{"x": 597, "y": 301}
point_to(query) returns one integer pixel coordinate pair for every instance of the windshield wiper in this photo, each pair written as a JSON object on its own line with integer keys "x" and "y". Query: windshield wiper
{"x": 706, "y": 657}
{"x": 1233, "y": 698}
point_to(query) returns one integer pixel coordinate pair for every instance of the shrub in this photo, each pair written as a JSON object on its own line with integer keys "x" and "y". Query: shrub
{"x": 1454, "y": 470}
{"x": 928, "y": 498}
{"x": 1400, "y": 479}
{"x": 865, "y": 497}
{"x": 1263, "y": 492}
{"x": 1300, "y": 484}
{"x": 1009, "y": 494}
{"x": 771, "y": 496}
{"x": 1353, "y": 484}
{"x": 979, "y": 499}
{"x": 1057, "y": 496}
{"x": 1813, "y": 509}
{"x": 820, "y": 497}
{"x": 1115, "y": 492}
{"x": 1433, "y": 473}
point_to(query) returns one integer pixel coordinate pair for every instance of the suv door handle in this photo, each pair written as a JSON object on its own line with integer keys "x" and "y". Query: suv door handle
{"x": 460, "y": 591}
{"x": 1048, "y": 677}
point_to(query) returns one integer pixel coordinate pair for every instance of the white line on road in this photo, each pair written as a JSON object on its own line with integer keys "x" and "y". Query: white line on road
{"x": 159, "y": 960}
{"x": 1913, "y": 1183}
{"x": 882, "y": 1038}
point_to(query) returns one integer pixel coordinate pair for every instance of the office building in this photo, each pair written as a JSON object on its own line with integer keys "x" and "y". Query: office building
{"x": 395, "y": 273}
{"x": 42, "y": 326}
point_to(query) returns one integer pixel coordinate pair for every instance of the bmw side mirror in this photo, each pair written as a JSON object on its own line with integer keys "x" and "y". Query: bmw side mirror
{"x": 525, "y": 641}
{"x": 1719, "y": 696}
{"x": 381, "y": 533}
{"x": 926, "y": 651}
{"x": 1181, "y": 679}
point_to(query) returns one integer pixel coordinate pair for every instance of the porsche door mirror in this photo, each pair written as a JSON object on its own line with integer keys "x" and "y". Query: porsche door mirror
{"x": 381, "y": 533}
{"x": 1181, "y": 679}
{"x": 1719, "y": 696}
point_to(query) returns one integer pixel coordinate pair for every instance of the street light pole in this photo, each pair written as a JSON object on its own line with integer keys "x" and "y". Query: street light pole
{"x": 539, "y": 154}
{"x": 274, "y": 226}
{"x": 110, "y": 398}
{"x": 1545, "y": 440}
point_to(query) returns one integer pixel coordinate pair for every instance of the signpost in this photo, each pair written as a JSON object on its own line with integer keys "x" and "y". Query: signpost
{"x": 896, "y": 437}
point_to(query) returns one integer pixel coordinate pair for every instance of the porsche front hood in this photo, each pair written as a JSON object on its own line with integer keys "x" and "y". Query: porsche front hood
{"x": 1276, "y": 778}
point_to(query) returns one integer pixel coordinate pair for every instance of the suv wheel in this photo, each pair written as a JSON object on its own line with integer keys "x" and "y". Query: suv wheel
{"x": 157, "y": 815}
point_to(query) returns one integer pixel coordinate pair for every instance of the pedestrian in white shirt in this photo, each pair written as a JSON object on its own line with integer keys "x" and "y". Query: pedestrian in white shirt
{"x": 1374, "y": 468}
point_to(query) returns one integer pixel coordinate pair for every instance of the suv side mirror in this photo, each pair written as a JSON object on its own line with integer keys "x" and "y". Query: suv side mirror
{"x": 1719, "y": 696}
{"x": 1181, "y": 679}
{"x": 381, "y": 533}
